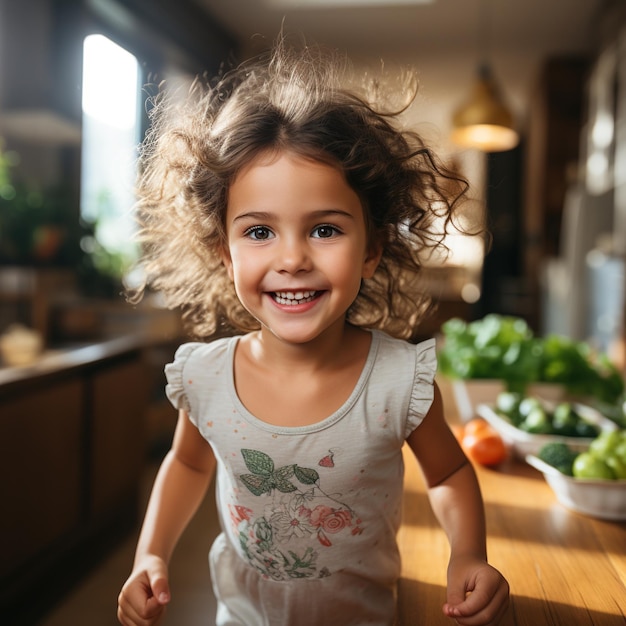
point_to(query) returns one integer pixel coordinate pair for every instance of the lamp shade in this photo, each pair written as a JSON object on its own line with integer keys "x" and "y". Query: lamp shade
{"x": 484, "y": 121}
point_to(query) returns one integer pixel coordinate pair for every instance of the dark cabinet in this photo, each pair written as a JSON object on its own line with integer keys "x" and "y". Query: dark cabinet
{"x": 72, "y": 454}
{"x": 119, "y": 400}
{"x": 41, "y": 469}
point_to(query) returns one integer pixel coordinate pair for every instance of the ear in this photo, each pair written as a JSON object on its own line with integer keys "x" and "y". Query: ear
{"x": 372, "y": 259}
{"x": 227, "y": 261}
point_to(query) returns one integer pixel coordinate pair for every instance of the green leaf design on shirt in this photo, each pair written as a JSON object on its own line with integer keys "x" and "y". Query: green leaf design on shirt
{"x": 265, "y": 477}
{"x": 285, "y": 473}
{"x": 306, "y": 475}
{"x": 285, "y": 486}
{"x": 258, "y": 462}
{"x": 258, "y": 485}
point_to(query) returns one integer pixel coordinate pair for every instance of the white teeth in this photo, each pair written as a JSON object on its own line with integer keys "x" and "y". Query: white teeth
{"x": 292, "y": 298}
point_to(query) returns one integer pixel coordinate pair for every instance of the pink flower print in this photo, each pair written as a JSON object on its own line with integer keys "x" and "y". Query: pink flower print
{"x": 239, "y": 514}
{"x": 329, "y": 519}
{"x": 357, "y": 530}
{"x": 323, "y": 539}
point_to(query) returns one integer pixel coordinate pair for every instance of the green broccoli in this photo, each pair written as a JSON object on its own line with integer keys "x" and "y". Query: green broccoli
{"x": 558, "y": 455}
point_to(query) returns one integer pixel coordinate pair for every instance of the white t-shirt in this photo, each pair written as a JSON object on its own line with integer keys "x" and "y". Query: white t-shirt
{"x": 309, "y": 514}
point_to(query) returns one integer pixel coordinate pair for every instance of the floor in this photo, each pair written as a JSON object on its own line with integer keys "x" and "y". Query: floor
{"x": 94, "y": 600}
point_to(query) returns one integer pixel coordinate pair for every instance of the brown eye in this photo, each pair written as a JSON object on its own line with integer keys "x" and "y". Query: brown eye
{"x": 324, "y": 231}
{"x": 259, "y": 233}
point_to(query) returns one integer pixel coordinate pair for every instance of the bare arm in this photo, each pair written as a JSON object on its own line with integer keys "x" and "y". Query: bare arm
{"x": 477, "y": 593}
{"x": 178, "y": 491}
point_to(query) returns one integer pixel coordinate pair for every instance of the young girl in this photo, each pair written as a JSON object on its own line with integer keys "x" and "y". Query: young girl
{"x": 279, "y": 205}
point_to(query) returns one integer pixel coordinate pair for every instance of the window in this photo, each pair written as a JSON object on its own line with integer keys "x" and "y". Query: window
{"x": 110, "y": 137}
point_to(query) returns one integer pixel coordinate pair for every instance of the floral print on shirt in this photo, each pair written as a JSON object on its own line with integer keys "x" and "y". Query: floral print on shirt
{"x": 299, "y": 510}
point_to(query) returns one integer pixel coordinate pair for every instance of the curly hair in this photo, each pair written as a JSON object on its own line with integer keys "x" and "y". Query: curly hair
{"x": 297, "y": 100}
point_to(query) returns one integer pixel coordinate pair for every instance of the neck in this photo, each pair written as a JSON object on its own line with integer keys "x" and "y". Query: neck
{"x": 337, "y": 345}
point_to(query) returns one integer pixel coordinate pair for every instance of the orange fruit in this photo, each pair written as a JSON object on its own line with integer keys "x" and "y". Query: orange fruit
{"x": 485, "y": 446}
{"x": 475, "y": 426}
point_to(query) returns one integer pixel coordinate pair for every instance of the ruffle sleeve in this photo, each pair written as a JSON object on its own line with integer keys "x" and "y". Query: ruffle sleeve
{"x": 175, "y": 375}
{"x": 422, "y": 392}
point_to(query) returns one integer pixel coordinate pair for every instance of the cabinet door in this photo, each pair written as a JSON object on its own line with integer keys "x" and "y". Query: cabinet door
{"x": 119, "y": 395}
{"x": 40, "y": 469}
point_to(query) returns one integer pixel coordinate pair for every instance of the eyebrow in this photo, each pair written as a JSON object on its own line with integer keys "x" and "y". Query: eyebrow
{"x": 263, "y": 216}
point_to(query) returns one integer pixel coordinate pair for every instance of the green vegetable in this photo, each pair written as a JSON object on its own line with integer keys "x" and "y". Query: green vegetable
{"x": 565, "y": 420}
{"x": 537, "y": 422}
{"x": 605, "y": 443}
{"x": 583, "y": 429}
{"x": 493, "y": 347}
{"x": 527, "y": 405}
{"x": 505, "y": 348}
{"x": 587, "y": 465}
{"x": 573, "y": 364}
{"x": 617, "y": 465}
{"x": 508, "y": 403}
{"x": 620, "y": 449}
{"x": 604, "y": 458}
{"x": 531, "y": 415}
{"x": 558, "y": 455}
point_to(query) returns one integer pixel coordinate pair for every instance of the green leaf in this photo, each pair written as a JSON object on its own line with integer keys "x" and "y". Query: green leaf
{"x": 258, "y": 462}
{"x": 306, "y": 475}
{"x": 285, "y": 486}
{"x": 258, "y": 485}
{"x": 285, "y": 473}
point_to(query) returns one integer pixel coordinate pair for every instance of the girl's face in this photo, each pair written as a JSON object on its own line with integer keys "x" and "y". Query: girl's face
{"x": 297, "y": 246}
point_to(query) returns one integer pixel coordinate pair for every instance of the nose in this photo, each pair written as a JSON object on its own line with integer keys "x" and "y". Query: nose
{"x": 293, "y": 255}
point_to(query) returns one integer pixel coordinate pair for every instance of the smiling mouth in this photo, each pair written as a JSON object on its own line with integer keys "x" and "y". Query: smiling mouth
{"x": 291, "y": 298}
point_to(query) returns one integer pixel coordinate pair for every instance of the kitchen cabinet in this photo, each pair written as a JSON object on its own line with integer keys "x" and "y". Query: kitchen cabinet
{"x": 72, "y": 454}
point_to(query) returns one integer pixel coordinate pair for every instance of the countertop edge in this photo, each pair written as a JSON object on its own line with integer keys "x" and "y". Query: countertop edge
{"x": 59, "y": 360}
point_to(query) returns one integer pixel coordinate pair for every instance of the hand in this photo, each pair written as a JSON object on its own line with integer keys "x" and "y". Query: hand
{"x": 145, "y": 595}
{"x": 478, "y": 595}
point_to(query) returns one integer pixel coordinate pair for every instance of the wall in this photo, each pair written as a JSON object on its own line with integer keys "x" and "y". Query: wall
{"x": 40, "y": 108}
{"x": 169, "y": 35}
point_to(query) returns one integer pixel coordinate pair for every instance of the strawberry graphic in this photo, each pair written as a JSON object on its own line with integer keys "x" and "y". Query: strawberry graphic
{"x": 327, "y": 461}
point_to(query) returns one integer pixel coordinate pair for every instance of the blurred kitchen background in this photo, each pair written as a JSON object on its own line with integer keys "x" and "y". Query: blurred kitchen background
{"x": 81, "y": 383}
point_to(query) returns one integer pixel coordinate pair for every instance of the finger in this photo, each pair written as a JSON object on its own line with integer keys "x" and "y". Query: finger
{"x": 138, "y": 605}
{"x": 476, "y": 601}
{"x": 472, "y": 605}
{"x": 151, "y": 614}
{"x": 455, "y": 597}
{"x": 474, "y": 613}
{"x": 159, "y": 584}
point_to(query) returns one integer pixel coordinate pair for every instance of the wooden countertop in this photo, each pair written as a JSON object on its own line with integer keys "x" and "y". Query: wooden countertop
{"x": 59, "y": 360}
{"x": 564, "y": 568}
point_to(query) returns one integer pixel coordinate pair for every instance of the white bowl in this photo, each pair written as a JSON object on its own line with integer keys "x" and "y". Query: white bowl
{"x": 524, "y": 443}
{"x": 604, "y": 499}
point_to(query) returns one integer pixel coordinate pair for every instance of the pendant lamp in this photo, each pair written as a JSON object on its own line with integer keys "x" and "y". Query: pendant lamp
{"x": 484, "y": 121}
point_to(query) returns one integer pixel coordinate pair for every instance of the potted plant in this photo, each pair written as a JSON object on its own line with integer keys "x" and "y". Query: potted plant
{"x": 40, "y": 228}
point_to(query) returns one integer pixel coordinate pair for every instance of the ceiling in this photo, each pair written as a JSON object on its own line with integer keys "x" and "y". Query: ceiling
{"x": 443, "y": 40}
{"x": 397, "y": 28}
